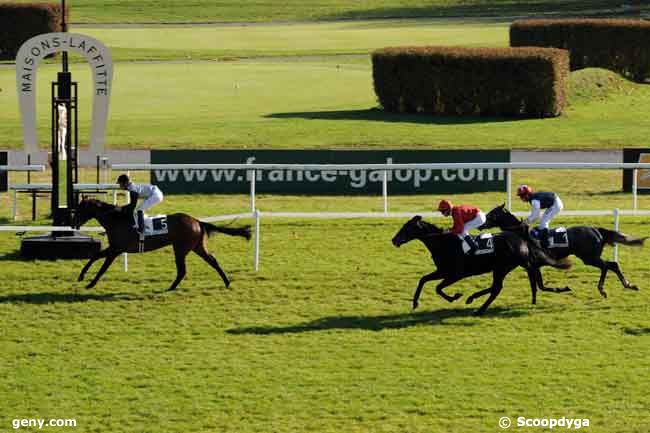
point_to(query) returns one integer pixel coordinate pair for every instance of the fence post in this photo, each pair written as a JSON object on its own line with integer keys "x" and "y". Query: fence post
{"x": 253, "y": 176}
{"x": 384, "y": 190}
{"x": 635, "y": 185}
{"x": 509, "y": 188}
{"x": 258, "y": 216}
{"x": 616, "y": 226}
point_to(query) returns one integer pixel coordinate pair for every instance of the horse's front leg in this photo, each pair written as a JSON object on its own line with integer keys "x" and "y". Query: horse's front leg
{"x": 109, "y": 260}
{"x": 93, "y": 259}
{"x": 444, "y": 283}
{"x": 429, "y": 277}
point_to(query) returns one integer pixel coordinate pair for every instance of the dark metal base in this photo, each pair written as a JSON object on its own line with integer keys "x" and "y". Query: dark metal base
{"x": 62, "y": 245}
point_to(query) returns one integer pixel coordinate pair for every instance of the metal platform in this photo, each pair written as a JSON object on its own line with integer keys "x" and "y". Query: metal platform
{"x": 60, "y": 246}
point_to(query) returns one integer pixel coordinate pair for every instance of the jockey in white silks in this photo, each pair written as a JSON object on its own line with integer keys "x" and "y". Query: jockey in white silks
{"x": 150, "y": 193}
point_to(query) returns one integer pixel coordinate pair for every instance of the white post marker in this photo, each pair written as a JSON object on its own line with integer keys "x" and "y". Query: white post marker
{"x": 509, "y": 189}
{"x": 384, "y": 190}
{"x": 616, "y": 224}
{"x": 635, "y": 185}
{"x": 258, "y": 216}
{"x": 253, "y": 174}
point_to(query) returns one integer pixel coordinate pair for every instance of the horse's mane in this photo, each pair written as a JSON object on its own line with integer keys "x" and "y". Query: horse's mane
{"x": 102, "y": 204}
{"x": 430, "y": 228}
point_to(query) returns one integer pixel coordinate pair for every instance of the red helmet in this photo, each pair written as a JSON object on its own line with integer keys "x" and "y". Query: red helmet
{"x": 444, "y": 206}
{"x": 524, "y": 191}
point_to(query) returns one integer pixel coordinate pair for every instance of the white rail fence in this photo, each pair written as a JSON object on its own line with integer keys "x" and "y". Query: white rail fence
{"x": 386, "y": 168}
{"x": 257, "y": 215}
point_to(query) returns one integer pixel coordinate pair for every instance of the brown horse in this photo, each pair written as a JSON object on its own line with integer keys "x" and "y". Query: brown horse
{"x": 184, "y": 233}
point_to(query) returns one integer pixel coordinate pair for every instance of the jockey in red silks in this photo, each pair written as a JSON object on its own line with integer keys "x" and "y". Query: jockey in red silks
{"x": 465, "y": 218}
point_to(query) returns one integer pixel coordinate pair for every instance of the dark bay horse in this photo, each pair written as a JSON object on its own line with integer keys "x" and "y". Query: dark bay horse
{"x": 585, "y": 242}
{"x": 185, "y": 234}
{"x": 510, "y": 251}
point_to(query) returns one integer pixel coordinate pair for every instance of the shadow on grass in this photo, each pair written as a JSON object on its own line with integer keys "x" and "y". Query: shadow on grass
{"x": 379, "y": 323}
{"x": 637, "y": 332}
{"x": 69, "y": 298}
{"x": 490, "y": 9}
{"x": 378, "y": 115}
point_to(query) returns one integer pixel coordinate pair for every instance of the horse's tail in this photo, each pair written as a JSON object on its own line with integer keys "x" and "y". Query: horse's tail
{"x": 541, "y": 258}
{"x": 611, "y": 237}
{"x": 243, "y": 231}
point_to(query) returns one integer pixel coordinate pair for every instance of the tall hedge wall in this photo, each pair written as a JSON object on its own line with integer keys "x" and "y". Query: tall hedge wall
{"x": 21, "y": 21}
{"x": 527, "y": 82}
{"x": 619, "y": 45}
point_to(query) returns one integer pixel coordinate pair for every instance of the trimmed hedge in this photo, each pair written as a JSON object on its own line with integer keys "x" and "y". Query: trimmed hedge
{"x": 521, "y": 82}
{"x": 622, "y": 46}
{"x": 21, "y": 21}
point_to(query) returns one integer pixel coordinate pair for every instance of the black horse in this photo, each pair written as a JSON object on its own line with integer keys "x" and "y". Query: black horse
{"x": 184, "y": 233}
{"x": 510, "y": 251}
{"x": 584, "y": 242}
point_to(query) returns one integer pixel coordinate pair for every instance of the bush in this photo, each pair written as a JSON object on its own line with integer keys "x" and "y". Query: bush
{"x": 622, "y": 46}
{"x": 454, "y": 81}
{"x": 21, "y": 21}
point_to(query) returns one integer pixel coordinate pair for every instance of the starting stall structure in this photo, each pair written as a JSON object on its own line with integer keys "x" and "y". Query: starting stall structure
{"x": 64, "y": 244}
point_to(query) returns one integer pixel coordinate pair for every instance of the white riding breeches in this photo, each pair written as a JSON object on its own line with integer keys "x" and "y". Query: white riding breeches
{"x": 150, "y": 201}
{"x": 478, "y": 221}
{"x": 550, "y": 213}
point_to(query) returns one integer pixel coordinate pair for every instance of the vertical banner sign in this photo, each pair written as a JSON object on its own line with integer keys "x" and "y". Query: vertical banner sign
{"x": 3, "y": 174}
{"x": 643, "y": 176}
{"x": 99, "y": 58}
{"x": 328, "y": 182}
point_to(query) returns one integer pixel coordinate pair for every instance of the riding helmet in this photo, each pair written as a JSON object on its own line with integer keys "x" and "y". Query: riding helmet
{"x": 444, "y": 206}
{"x": 123, "y": 178}
{"x": 524, "y": 191}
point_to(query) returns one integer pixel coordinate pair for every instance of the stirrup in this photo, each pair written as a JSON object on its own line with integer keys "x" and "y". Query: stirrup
{"x": 141, "y": 242}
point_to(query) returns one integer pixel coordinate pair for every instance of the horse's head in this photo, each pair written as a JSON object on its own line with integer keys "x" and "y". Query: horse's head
{"x": 415, "y": 228}
{"x": 89, "y": 208}
{"x": 499, "y": 217}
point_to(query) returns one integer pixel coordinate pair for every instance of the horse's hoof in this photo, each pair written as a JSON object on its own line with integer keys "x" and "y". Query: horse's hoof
{"x": 469, "y": 300}
{"x": 90, "y": 286}
{"x": 171, "y": 289}
{"x": 632, "y": 287}
{"x": 457, "y": 296}
{"x": 603, "y": 294}
{"x": 415, "y": 305}
{"x": 80, "y": 279}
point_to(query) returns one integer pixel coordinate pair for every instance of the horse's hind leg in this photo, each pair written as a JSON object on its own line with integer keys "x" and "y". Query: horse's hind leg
{"x": 212, "y": 261}
{"x": 497, "y": 285}
{"x": 617, "y": 270}
{"x": 179, "y": 255}
{"x": 109, "y": 260}
{"x": 600, "y": 264}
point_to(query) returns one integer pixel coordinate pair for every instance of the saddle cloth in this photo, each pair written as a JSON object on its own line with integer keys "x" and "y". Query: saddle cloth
{"x": 557, "y": 237}
{"x": 155, "y": 225}
{"x": 484, "y": 242}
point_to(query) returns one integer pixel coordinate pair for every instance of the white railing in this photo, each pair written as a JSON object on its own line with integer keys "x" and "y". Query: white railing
{"x": 22, "y": 168}
{"x": 257, "y": 215}
{"x": 386, "y": 168}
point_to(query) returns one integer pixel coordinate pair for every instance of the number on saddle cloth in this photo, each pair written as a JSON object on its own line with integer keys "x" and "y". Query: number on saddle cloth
{"x": 557, "y": 237}
{"x": 484, "y": 242}
{"x": 155, "y": 225}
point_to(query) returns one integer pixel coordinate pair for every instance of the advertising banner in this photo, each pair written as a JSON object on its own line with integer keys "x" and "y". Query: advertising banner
{"x": 329, "y": 182}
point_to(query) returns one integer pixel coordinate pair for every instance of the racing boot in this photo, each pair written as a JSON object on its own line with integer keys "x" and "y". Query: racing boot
{"x": 472, "y": 245}
{"x": 140, "y": 229}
